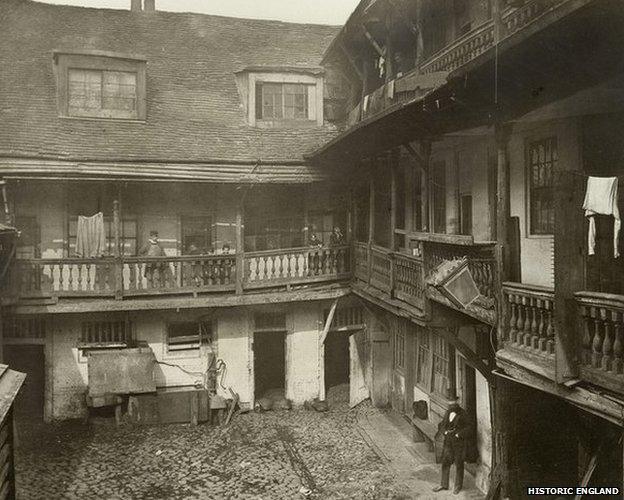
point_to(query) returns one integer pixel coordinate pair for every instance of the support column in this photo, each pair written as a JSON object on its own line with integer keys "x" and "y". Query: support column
{"x": 503, "y": 207}
{"x": 371, "y": 221}
{"x": 116, "y": 253}
{"x": 240, "y": 271}
{"x": 425, "y": 181}
{"x": 393, "y": 202}
{"x": 409, "y": 199}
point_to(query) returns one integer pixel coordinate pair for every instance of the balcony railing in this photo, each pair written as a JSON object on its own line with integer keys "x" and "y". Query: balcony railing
{"x": 602, "y": 339}
{"x": 404, "y": 277}
{"x": 477, "y": 41}
{"x": 140, "y": 276}
{"x": 529, "y": 319}
{"x": 396, "y": 275}
{"x": 481, "y": 262}
{"x": 297, "y": 265}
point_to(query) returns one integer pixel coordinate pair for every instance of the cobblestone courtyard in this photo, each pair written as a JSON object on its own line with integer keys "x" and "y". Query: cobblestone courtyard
{"x": 260, "y": 455}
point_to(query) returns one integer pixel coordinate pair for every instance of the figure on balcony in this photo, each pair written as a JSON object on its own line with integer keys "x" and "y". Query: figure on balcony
{"x": 157, "y": 273}
{"x": 336, "y": 238}
{"x": 453, "y": 431}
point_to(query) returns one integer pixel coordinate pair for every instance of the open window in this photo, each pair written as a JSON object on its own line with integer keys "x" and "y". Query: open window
{"x": 188, "y": 336}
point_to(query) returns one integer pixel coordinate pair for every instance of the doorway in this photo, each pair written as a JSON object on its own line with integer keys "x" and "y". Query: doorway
{"x": 468, "y": 400}
{"x": 269, "y": 362}
{"x": 28, "y": 359}
{"x": 336, "y": 359}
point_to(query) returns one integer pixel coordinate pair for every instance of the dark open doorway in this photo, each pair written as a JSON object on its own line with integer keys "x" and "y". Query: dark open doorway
{"x": 269, "y": 361}
{"x": 336, "y": 359}
{"x": 29, "y": 359}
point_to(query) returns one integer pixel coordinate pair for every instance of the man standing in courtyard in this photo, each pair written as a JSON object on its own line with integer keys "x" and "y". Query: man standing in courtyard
{"x": 453, "y": 430}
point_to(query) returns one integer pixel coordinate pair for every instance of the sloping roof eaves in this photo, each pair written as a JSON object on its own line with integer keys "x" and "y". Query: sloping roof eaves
{"x": 291, "y": 173}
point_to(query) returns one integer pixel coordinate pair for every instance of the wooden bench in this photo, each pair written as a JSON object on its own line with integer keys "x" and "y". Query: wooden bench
{"x": 424, "y": 432}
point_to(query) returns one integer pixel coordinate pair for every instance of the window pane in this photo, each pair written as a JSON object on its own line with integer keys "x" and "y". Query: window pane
{"x": 272, "y": 100}
{"x": 196, "y": 235}
{"x": 295, "y": 101}
{"x": 85, "y": 90}
{"x": 119, "y": 90}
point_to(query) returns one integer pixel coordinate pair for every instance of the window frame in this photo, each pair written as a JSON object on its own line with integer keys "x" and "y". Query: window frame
{"x": 85, "y": 344}
{"x": 315, "y": 83}
{"x": 185, "y": 220}
{"x": 399, "y": 345}
{"x": 100, "y": 61}
{"x": 182, "y": 348}
{"x": 426, "y": 371}
{"x": 529, "y": 142}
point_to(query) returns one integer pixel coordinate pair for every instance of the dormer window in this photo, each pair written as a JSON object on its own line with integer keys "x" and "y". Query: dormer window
{"x": 282, "y": 96}
{"x": 101, "y": 85}
{"x": 283, "y": 101}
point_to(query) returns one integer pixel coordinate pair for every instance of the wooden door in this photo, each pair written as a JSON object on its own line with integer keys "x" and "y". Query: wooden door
{"x": 358, "y": 390}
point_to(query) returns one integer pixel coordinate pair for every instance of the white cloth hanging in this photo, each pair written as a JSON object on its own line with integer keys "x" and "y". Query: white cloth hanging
{"x": 601, "y": 198}
{"x": 90, "y": 236}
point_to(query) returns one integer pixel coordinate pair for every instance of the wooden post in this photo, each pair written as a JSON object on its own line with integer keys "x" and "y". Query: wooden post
{"x": 5, "y": 199}
{"x": 306, "y": 218}
{"x": 118, "y": 268}
{"x": 409, "y": 199}
{"x": 426, "y": 179}
{"x": 371, "y": 222}
{"x": 569, "y": 267}
{"x": 240, "y": 271}
{"x": 503, "y": 207}
{"x": 393, "y": 203}
{"x": 452, "y": 391}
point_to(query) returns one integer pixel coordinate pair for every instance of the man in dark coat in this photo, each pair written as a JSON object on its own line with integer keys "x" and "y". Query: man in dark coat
{"x": 454, "y": 429}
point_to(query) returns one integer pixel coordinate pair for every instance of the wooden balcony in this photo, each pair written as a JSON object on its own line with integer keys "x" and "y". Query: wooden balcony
{"x": 601, "y": 333}
{"x": 394, "y": 275}
{"x": 479, "y": 40}
{"x": 528, "y": 329}
{"x": 402, "y": 277}
{"x": 128, "y": 277}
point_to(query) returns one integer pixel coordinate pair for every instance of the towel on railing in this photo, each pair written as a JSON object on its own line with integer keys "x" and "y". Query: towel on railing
{"x": 602, "y": 198}
{"x": 90, "y": 236}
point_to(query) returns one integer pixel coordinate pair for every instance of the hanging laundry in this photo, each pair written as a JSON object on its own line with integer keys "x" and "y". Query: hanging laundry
{"x": 90, "y": 236}
{"x": 602, "y": 198}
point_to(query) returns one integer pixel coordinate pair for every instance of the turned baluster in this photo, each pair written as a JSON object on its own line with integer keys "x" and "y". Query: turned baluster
{"x": 106, "y": 285}
{"x": 279, "y": 266}
{"x": 88, "y": 276}
{"x": 61, "y": 268}
{"x": 534, "y": 332}
{"x": 598, "y": 340}
{"x": 79, "y": 277}
{"x": 587, "y": 340}
{"x": 524, "y": 325}
{"x": 513, "y": 319}
{"x": 550, "y": 330}
{"x": 70, "y": 277}
{"x": 618, "y": 346}
{"x": 149, "y": 271}
{"x": 541, "y": 327}
{"x": 607, "y": 344}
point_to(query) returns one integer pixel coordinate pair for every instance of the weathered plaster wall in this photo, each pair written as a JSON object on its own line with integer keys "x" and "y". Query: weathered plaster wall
{"x": 537, "y": 251}
{"x": 303, "y": 353}
{"x": 484, "y": 433}
{"x": 68, "y": 371}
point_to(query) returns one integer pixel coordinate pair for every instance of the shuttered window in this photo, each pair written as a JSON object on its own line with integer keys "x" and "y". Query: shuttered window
{"x": 98, "y": 334}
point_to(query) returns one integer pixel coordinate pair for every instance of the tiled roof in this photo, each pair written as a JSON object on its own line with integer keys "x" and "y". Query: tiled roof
{"x": 194, "y": 110}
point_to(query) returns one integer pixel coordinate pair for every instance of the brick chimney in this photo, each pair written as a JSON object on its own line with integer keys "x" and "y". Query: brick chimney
{"x": 136, "y": 5}
{"x": 149, "y": 5}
